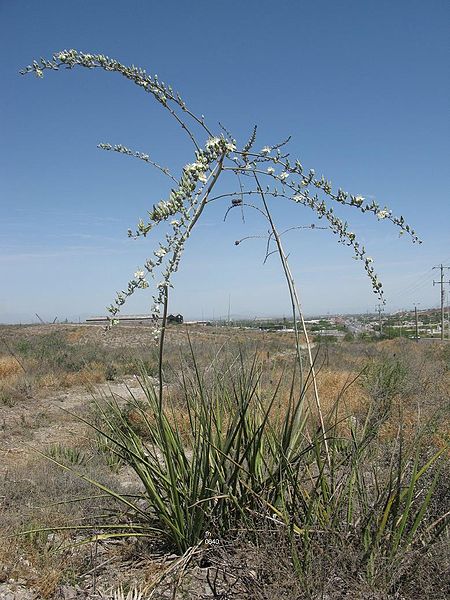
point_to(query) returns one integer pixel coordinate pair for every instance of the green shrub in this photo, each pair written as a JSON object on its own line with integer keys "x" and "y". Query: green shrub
{"x": 67, "y": 454}
{"x": 242, "y": 464}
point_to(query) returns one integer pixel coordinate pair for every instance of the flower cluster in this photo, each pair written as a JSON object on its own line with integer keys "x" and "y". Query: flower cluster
{"x": 183, "y": 201}
{"x": 189, "y": 196}
{"x": 182, "y": 198}
{"x": 279, "y": 167}
{"x": 273, "y": 158}
{"x": 72, "y": 58}
{"x": 341, "y": 229}
{"x": 145, "y": 157}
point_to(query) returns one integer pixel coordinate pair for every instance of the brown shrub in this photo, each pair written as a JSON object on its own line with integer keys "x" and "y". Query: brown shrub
{"x": 9, "y": 366}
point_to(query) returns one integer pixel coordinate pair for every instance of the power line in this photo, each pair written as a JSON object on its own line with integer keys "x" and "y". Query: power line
{"x": 420, "y": 281}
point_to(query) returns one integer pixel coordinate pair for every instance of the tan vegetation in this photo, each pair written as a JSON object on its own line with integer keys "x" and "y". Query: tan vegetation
{"x": 398, "y": 389}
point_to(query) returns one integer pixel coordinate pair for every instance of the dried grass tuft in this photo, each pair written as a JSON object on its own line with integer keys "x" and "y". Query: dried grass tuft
{"x": 9, "y": 366}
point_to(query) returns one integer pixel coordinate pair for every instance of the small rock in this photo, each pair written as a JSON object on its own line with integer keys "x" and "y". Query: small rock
{"x": 68, "y": 592}
{"x": 9, "y": 591}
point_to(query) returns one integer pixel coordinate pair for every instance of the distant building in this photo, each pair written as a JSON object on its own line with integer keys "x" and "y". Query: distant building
{"x": 125, "y": 319}
{"x": 329, "y": 333}
{"x": 175, "y": 319}
{"x": 134, "y": 319}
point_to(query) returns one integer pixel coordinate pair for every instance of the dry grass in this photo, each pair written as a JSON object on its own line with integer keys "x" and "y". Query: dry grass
{"x": 9, "y": 366}
{"x": 32, "y": 497}
{"x": 342, "y": 377}
{"x": 36, "y": 359}
{"x": 409, "y": 383}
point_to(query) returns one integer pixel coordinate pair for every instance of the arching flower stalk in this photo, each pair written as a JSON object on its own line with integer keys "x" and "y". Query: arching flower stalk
{"x": 217, "y": 156}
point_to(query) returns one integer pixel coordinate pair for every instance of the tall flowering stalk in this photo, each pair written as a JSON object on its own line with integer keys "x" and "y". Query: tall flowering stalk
{"x": 216, "y": 153}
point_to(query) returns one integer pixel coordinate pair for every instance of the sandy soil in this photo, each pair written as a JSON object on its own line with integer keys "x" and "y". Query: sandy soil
{"x": 45, "y": 420}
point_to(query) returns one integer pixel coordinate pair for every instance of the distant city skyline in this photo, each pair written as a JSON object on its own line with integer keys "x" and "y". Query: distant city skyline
{"x": 234, "y": 317}
{"x": 371, "y": 116}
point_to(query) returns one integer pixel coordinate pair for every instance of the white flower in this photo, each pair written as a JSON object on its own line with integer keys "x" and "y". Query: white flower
{"x": 283, "y": 175}
{"x": 359, "y": 200}
{"x": 271, "y": 170}
{"x": 160, "y": 252}
{"x": 193, "y": 167}
{"x": 212, "y": 142}
{"x": 202, "y": 178}
{"x": 266, "y": 150}
{"x": 369, "y": 259}
{"x": 139, "y": 275}
{"x": 297, "y": 197}
{"x": 382, "y": 214}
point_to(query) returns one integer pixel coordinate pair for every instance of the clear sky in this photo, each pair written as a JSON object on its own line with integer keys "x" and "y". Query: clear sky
{"x": 362, "y": 87}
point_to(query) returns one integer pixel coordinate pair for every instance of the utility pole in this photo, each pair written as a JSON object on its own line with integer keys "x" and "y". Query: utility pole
{"x": 417, "y": 323}
{"x": 441, "y": 283}
{"x": 380, "y": 309}
{"x": 448, "y": 317}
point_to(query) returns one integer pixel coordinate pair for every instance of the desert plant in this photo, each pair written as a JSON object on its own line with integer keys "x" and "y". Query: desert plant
{"x": 67, "y": 454}
{"x": 240, "y": 464}
{"x": 231, "y": 465}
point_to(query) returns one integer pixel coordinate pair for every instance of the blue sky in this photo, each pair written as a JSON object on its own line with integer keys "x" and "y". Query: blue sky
{"x": 361, "y": 86}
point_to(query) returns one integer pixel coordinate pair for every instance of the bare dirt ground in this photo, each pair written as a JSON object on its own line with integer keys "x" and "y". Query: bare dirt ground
{"x": 46, "y": 421}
